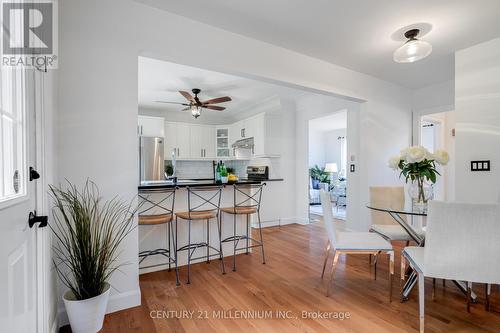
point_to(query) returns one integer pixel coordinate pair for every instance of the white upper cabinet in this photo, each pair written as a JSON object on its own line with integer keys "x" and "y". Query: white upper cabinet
{"x": 202, "y": 141}
{"x": 177, "y": 140}
{"x": 150, "y": 126}
{"x": 266, "y": 131}
{"x": 199, "y": 142}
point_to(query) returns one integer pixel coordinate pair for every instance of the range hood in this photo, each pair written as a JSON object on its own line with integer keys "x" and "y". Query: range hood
{"x": 243, "y": 144}
{"x": 243, "y": 149}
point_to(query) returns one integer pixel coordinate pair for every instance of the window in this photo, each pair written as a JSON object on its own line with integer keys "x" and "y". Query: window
{"x": 12, "y": 135}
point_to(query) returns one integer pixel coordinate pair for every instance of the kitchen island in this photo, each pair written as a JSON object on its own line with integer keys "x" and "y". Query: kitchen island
{"x": 153, "y": 237}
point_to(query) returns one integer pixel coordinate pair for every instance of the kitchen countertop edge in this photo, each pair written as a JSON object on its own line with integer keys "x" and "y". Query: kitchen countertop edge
{"x": 204, "y": 183}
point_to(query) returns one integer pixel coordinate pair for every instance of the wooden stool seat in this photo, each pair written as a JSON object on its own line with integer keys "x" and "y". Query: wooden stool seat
{"x": 155, "y": 219}
{"x": 241, "y": 210}
{"x": 197, "y": 215}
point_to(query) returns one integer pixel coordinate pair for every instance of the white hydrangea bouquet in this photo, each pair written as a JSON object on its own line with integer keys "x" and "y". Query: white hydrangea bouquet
{"x": 418, "y": 165}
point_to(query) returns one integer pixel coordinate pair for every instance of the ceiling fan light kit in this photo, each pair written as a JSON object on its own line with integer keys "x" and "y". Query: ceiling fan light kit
{"x": 413, "y": 50}
{"x": 195, "y": 105}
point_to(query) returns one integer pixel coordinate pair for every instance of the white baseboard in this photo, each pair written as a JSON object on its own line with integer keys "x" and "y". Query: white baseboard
{"x": 116, "y": 302}
{"x": 282, "y": 221}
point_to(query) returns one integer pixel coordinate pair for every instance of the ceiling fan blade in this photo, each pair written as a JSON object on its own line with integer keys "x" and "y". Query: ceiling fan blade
{"x": 172, "y": 103}
{"x": 186, "y": 109}
{"x": 213, "y": 107}
{"x": 217, "y": 100}
{"x": 187, "y": 96}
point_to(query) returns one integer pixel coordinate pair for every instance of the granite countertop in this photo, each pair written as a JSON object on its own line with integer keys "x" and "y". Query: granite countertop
{"x": 194, "y": 182}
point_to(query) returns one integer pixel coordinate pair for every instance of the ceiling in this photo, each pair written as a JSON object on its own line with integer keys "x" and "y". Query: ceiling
{"x": 357, "y": 34}
{"x": 334, "y": 121}
{"x": 161, "y": 81}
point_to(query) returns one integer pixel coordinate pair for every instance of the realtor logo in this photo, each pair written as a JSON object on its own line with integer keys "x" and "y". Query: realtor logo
{"x": 29, "y": 34}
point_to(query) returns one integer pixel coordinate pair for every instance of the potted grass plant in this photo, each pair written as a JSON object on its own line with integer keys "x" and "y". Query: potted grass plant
{"x": 88, "y": 234}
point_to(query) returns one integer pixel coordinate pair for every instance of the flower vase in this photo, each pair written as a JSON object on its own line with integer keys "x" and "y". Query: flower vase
{"x": 420, "y": 193}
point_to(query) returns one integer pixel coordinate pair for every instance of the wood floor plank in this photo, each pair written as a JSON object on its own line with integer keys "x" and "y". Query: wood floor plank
{"x": 290, "y": 281}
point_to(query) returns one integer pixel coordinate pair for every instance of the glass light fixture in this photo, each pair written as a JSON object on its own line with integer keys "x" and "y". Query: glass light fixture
{"x": 413, "y": 50}
{"x": 195, "y": 111}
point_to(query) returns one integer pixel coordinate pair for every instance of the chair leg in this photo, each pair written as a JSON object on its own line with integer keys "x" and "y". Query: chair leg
{"x": 327, "y": 253}
{"x": 487, "y": 292}
{"x": 176, "y": 257}
{"x": 234, "y": 243}
{"x": 403, "y": 269}
{"x": 169, "y": 246}
{"x": 208, "y": 241}
{"x": 334, "y": 265}
{"x": 248, "y": 225}
{"x": 261, "y": 239}
{"x": 221, "y": 256}
{"x": 189, "y": 253}
{"x": 433, "y": 289}
{"x": 421, "y": 300}
{"x": 391, "y": 272}
{"x": 469, "y": 295}
{"x": 375, "y": 265}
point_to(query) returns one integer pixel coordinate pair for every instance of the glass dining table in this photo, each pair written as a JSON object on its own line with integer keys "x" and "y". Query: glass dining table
{"x": 405, "y": 217}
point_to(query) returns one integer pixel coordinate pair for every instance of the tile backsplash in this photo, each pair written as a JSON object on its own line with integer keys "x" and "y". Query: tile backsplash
{"x": 204, "y": 169}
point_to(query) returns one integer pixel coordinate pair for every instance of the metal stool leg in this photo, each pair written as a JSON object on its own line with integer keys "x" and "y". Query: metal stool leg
{"x": 176, "y": 257}
{"x": 208, "y": 241}
{"x": 169, "y": 247}
{"x": 234, "y": 242}
{"x": 261, "y": 239}
{"x": 189, "y": 253}
{"x": 221, "y": 256}
{"x": 248, "y": 220}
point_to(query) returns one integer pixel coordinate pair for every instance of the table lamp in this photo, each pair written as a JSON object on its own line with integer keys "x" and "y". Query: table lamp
{"x": 331, "y": 168}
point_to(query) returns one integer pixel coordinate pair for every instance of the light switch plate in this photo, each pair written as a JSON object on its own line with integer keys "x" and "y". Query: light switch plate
{"x": 480, "y": 165}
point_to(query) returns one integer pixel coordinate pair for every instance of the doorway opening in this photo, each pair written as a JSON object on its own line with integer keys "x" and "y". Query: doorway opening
{"x": 328, "y": 163}
{"x": 436, "y": 131}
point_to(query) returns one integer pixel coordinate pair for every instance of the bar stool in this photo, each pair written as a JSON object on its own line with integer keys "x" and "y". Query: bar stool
{"x": 156, "y": 208}
{"x": 203, "y": 204}
{"x": 245, "y": 204}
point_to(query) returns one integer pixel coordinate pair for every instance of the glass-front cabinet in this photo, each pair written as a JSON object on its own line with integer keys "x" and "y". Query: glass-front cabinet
{"x": 222, "y": 142}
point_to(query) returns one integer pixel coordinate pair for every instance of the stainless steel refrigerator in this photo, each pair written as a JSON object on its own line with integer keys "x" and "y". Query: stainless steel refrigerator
{"x": 151, "y": 159}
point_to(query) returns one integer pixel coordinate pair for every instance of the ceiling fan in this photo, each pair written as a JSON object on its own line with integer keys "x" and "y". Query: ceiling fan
{"x": 195, "y": 105}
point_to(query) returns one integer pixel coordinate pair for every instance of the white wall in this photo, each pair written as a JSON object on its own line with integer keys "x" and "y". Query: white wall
{"x": 316, "y": 148}
{"x": 99, "y": 45}
{"x": 477, "y": 84}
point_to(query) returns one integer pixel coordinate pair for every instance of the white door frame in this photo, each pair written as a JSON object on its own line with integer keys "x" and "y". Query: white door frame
{"x": 43, "y": 252}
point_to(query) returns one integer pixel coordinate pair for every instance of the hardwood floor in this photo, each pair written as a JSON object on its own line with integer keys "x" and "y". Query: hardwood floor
{"x": 290, "y": 281}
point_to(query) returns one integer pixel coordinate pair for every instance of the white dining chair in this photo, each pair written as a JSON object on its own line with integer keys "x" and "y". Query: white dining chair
{"x": 461, "y": 244}
{"x": 351, "y": 243}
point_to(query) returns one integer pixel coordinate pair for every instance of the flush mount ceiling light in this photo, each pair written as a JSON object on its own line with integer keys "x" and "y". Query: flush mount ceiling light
{"x": 413, "y": 50}
{"x": 195, "y": 111}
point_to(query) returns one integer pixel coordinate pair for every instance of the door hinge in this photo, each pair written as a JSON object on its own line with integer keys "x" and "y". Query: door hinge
{"x": 33, "y": 174}
{"x": 33, "y": 218}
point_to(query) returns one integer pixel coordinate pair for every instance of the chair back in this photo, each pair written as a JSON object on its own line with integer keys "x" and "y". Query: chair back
{"x": 462, "y": 242}
{"x": 204, "y": 199}
{"x": 384, "y": 197}
{"x": 155, "y": 202}
{"x": 247, "y": 196}
{"x": 330, "y": 227}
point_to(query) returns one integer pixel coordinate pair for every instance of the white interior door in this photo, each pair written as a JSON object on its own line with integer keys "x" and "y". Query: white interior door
{"x": 18, "y": 302}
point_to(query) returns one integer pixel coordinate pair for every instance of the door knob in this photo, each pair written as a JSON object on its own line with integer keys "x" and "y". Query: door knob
{"x": 33, "y": 174}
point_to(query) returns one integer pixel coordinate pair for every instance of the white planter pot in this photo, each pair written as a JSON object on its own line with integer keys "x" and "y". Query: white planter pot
{"x": 86, "y": 316}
